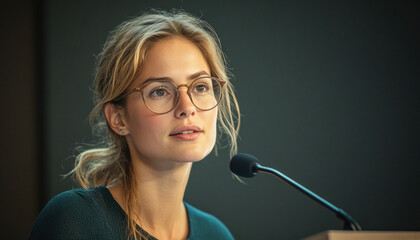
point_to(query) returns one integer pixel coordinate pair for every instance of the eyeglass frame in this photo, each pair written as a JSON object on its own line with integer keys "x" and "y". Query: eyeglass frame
{"x": 144, "y": 85}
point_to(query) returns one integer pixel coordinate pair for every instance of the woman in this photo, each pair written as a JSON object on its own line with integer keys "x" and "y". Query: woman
{"x": 162, "y": 92}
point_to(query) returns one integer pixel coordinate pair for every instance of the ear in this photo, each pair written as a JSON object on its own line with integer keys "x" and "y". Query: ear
{"x": 115, "y": 118}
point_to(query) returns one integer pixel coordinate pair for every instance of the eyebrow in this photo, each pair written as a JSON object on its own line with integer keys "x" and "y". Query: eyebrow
{"x": 190, "y": 77}
{"x": 198, "y": 74}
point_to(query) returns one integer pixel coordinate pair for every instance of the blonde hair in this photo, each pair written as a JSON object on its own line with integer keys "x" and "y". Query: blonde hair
{"x": 120, "y": 61}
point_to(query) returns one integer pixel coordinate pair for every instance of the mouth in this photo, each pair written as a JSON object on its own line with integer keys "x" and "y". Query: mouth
{"x": 186, "y": 132}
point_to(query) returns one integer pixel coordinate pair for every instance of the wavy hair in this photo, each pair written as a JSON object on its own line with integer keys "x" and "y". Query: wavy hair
{"x": 118, "y": 64}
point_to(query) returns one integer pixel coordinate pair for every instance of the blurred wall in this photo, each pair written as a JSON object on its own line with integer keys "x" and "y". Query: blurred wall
{"x": 328, "y": 92}
{"x": 20, "y": 114}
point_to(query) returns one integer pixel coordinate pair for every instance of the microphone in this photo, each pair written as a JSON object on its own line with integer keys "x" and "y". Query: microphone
{"x": 246, "y": 165}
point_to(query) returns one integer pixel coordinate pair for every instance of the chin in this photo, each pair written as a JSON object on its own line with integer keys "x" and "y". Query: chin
{"x": 191, "y": 155}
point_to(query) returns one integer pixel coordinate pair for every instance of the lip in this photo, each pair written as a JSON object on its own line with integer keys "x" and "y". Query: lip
{"x": 186, "y": 133}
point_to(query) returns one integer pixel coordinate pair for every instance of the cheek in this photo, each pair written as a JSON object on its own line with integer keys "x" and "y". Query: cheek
{"x": 212, "y": 121}
{"x": 144, "y": 125}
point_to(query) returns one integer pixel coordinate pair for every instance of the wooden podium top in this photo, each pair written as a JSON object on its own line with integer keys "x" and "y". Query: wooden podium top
{"x": 365, "y": 235}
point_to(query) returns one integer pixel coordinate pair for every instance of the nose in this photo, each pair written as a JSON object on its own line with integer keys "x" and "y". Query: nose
{"x": 184, "y": 108}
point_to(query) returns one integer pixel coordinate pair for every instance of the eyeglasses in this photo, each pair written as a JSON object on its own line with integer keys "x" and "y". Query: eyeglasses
{"x": 162, "y": 96}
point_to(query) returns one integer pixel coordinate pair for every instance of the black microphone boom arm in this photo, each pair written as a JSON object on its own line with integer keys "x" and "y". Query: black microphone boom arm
{"x": 349, "y": 222}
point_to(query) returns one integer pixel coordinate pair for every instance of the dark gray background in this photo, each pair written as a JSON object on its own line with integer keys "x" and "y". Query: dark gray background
{"x": 329, "y": 94}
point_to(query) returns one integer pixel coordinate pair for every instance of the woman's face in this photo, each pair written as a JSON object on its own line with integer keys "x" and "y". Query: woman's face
{"x": 184, "y": 134}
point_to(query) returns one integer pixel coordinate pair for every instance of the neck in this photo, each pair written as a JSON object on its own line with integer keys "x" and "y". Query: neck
{"x": 161, "y": 211}
{"x": 161, "y": 191}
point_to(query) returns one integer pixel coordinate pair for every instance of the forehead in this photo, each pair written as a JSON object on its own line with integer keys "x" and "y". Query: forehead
{"x": 176, "y": 58}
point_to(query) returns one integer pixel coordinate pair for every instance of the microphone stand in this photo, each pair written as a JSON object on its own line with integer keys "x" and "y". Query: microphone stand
{"x": 349, "y": 222}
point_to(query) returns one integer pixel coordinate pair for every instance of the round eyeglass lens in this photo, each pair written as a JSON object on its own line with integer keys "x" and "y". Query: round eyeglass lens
{"x": 205, "y": 93}
{"x": 160, "y": 96}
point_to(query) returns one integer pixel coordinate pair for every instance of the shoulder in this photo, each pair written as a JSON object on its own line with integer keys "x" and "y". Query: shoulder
{"x": 71, "y": 203}
{"x": 66, "y": 215}
{"x": 205, "y": 226}
{"x": 76, "y": 196}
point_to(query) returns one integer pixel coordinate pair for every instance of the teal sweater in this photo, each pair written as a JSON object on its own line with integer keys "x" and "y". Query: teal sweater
{"x": 94, "y": 214}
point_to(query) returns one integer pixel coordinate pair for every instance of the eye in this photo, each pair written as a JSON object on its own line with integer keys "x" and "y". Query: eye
{"x": 159, "y": 92}
{"x": 201, "y": 88}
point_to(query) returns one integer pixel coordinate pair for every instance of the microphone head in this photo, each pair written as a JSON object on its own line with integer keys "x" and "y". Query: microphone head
{"x": 244, "y": 165}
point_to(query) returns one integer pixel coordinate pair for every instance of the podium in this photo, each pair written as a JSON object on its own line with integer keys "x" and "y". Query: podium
{"x": 365, "y": 235}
